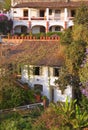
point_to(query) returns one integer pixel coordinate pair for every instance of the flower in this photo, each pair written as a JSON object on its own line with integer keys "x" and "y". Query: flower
{"x": 3, "y": 17}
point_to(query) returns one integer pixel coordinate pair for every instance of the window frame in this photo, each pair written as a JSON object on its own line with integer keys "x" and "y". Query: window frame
{"x": 56, "y": 71}
{"x": 36, "y": 70}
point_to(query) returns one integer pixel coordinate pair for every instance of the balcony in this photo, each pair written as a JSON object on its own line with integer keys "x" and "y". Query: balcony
{"x": 39, "y": 18}
{"x": 36, "y": 21}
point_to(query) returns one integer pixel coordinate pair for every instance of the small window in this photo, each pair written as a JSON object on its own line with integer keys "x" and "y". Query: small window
{"x": 55, "y": 71}
{"x": 73, "y": 13}
{"x": 36, "y": 70}
{"x": 15, "y": 12}
{"x": 25, "y": 13}
{"x": 38, "y": 87}
{"x": 50, "y": 11}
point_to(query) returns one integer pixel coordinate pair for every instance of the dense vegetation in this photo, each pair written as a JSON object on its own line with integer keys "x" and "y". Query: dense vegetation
{"x": 5, "y": 24}
{"x": 5, "y": 5}
{"x": 71, "y": 115}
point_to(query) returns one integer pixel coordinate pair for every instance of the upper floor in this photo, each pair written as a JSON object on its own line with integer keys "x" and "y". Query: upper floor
{"x": 43, "y": 16}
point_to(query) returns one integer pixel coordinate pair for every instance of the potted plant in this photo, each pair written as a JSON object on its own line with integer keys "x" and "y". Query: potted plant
{"x": 44, "y": 98}
{"x": 38, "y": 95}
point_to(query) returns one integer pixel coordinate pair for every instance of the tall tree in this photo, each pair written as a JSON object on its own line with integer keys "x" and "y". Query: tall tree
{"x": 75, "y": 42}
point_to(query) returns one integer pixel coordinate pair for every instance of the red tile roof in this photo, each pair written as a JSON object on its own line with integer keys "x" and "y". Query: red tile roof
{"x": 49, "y": 4}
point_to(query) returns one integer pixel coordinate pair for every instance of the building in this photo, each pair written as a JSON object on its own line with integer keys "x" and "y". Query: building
{"x": 43, "y": 58}
{"x": 39, "y": 63}
{"x": 43, "y": 15}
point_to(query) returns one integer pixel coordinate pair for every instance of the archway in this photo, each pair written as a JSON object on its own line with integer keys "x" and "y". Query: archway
{"x": 55, "y": 28}
{"x": 20, "y": 29}
{"x": 38, "y": 29}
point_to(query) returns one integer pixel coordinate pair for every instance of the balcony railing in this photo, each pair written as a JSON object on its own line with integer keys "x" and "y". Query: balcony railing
{"x": 42, "y": 18}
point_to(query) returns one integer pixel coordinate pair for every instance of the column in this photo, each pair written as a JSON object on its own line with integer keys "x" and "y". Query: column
{"x": 47, "y": 26}
{"x": 29, "y": 20}
{"x": 29, "y": 14}
{"x": 47, "y": 20}
{"x": 65, "y": 18}
{"x": 29, "y": 26}
{"x": 47, "y": 14}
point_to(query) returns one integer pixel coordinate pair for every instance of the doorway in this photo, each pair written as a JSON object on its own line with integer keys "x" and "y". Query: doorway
{"x": 42, "y": 12}
{"x": 52, "y": 94}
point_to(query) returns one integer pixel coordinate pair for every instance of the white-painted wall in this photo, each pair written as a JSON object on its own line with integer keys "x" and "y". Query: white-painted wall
{"x": 47, "y": 82}
{"x": 34, "y": 12}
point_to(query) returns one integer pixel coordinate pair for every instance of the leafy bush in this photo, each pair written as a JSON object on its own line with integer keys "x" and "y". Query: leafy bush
{"x": 5, "y": 24}
{"x": 53, "y": 33}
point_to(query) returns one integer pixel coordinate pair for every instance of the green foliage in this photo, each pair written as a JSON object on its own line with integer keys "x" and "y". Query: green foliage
{"x": 62, "y": 116}
{"x": 75, "y": 42}
{"x": 76, "y": 53}
{"x": 80, "y": 29}
{"x": 84, "y": 103}
{"x": 80, "y": 33}
{"x": 14, "y": 94}
{"x": 44, "y": 97}
{"x": 7, "y": 5}
{"x": 54, "y": 33}
{"x": 81, "y": 118}
{"x": 66, "y": 37}
{"x": 64, "y": 79}
{"x": 81, "y": 16}
{"x": 83, "y": 73}
{"x": 5, "y": 26}
{"x": 20, "y": 120}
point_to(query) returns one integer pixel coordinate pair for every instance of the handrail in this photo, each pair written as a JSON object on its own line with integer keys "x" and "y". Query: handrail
{"x": 29, "y": 106}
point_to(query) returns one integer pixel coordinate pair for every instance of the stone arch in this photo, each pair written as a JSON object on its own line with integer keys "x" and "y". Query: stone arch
{"x": 19, "y": 29}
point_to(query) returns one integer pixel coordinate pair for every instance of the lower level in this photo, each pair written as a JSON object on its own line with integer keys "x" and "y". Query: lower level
{"x": 24, "y": 26}
{"x": 43, "y": 78}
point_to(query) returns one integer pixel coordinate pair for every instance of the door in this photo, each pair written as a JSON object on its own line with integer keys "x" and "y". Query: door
{"x": 52, "y": 94}
{"x": 42, "y": 13}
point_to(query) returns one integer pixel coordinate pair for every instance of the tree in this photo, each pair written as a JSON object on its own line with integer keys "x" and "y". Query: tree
{"x": 5, "y": 24}
{"x": 7, "y": 5}
{"x": 12, "y": 95}
{"x": 75, "y": 42}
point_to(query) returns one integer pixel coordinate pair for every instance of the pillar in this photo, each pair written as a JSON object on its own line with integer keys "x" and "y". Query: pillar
{"x": 47, "y": 20}
{"x": 29, "y": 18}
{"x": 47, "y": 26}
{"x": 47, "y": 14}
{"x": 65, "y": 18}
{"x": 65, "y": 24}
{"x": 29, "y": 26}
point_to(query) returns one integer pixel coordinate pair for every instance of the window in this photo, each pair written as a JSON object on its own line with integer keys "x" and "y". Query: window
{"x": 15, "y": 12}
{"x": 25, "y": 13}
{"x": 57, "y": 11}
{"x": 36, "y": 70}
{"x": 38, "y": 87}
{"x": 50, "y": 11}
{"x": 55, "y": 71}
{"x": 73, "y": 13}
{"x": 57, "y": 28}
